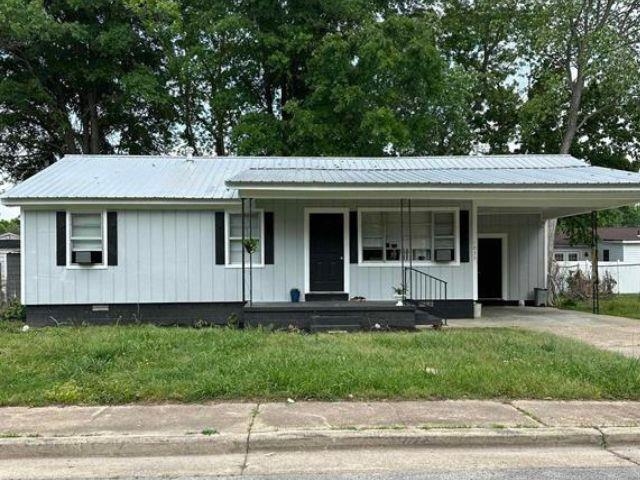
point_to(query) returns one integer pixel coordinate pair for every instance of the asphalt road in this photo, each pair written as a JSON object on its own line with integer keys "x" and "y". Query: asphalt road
{"x": 617, "y": 473}
{"x": 566, "y": 463}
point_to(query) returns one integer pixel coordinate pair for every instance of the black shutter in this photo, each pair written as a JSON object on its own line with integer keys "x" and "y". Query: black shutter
{"x": 112, "y": 238}
{"x": 353, "y": 237}
{"x": 268, "y": 238}
{"x": 61, "y": 239}
{"x": 464, "y": 236}
{"x": 219, "y": 226}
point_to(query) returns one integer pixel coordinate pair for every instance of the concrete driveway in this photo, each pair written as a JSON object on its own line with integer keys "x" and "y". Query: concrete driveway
{"x": 617, "y": 334}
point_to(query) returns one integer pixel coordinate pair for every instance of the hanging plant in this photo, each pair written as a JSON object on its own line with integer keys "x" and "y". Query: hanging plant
{"x": 250, "y": 245}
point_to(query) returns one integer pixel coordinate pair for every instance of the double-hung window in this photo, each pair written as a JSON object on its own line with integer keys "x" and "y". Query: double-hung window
{"x": 429, "y": 236}
{"x": 253, "y": 229}
{"x": 86, "y": 239}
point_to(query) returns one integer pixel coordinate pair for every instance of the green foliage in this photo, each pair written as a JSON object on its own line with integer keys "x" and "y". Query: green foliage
{"x": 13, "y": 311}
{"x": 10, "y": 226}
{"x": 112, "y": 365}
{"x": 355, "y": 77}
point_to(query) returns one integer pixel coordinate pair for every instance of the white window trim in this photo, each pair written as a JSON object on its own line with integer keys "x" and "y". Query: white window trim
{"x": 576, "y": 253}
{"x": 418, "y": 263}
{"x": 227, "y": 240}
{"x": 105, "y": 233}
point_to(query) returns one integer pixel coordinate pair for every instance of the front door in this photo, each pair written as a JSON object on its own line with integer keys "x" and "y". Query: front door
{"x": 326, "y": 252}
{"x": 490, "y": 268}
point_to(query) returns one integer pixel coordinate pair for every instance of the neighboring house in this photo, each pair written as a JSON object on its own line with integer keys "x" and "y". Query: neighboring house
{"x": 618, "y": 256}
{"x": 151, "y": 238}
{"x": 615, "y": 244}
{"x": 9, "y": 267}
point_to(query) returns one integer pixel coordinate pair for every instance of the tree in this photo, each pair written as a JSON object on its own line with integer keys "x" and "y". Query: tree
{"x": 77, "y": 77}
{"x": 481, "y": 37}
{"x": 583, "y": 58}
{"x": 381, "y": 88}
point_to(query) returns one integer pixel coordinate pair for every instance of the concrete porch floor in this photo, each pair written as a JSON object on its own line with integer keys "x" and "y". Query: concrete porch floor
{"x": 616, "y": 334}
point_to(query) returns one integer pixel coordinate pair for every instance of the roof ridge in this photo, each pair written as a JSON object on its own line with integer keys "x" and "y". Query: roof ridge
{"x": 416, "y": 169}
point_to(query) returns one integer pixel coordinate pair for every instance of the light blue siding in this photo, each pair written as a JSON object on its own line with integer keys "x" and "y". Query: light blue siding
{"x": 525, "y": 251}
{"x": 169, "y": 256}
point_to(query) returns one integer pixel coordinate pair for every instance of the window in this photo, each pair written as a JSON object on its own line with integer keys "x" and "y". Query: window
{"x": 234, "y": 237}
{"x": 605, "y": 255}
{"x": 573, "y": 257}
{"x": 428, "y": 236}
{"x": 86, "y": 234}
{"x": 559, "y": 257}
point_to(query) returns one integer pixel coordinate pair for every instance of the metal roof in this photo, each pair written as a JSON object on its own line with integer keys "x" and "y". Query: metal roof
{"x": 103, "y": 177}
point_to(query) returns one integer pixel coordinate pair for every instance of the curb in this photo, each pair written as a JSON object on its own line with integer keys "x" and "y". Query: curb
{"x": 168, "y": 445}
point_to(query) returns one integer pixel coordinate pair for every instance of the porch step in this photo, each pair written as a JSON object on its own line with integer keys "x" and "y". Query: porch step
{"x": 323, "y": 323}
{"x": 425, "y": 317}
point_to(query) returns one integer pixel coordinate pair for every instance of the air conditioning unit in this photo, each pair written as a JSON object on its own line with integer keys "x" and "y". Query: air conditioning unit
{"x": 86, "y": 258}
{"x": 444, "y": 255}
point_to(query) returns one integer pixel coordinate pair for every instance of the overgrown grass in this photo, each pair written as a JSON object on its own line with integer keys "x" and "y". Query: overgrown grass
{"x": 98, "y": 365}
{"x": 616, "y": 305}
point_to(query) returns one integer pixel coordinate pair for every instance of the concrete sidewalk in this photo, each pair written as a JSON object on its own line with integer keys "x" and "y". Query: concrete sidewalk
{"x": 237, "y": 428}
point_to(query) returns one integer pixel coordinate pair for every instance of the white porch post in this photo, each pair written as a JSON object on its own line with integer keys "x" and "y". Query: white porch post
{"x": 474, "y": 248}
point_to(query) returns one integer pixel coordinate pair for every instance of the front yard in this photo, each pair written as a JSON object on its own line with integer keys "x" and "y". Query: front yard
{"x": 109, "y": 365}
{"x": 617, "y": 305}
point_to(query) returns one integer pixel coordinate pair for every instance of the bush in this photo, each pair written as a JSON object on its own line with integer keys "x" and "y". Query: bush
{"x": 578, "y": 285}
{"x": 13, "y": 311}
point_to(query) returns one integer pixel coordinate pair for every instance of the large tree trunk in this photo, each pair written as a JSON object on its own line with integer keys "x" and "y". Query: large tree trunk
{"x": 95, "y": 141}
{"x": 570, "y": 132}
{"x": 571, "y": 129}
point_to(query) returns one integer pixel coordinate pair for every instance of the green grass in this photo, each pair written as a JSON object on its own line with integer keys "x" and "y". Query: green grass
{"x": 616, "y": 305}
{"x": 110, "y": 365}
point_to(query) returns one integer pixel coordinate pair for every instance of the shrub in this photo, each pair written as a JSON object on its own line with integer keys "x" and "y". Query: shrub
{"x": 13, "y": 311}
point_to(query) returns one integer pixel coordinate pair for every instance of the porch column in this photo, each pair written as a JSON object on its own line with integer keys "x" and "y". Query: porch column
{"x": 244, "y": 293}
{"x": 474, "y": 248}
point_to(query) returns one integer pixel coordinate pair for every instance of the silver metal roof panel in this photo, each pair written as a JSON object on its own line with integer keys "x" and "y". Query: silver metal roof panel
{"x": 114, "y": 177}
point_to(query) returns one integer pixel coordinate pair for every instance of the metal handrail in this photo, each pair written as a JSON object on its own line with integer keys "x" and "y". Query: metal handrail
{"x": 423, "y": 287}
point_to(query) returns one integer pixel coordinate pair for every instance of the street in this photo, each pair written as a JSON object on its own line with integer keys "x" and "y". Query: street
{"x": 582, "y": 463}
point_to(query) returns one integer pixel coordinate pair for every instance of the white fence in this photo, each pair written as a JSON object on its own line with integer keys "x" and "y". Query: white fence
{"x": 626, "y": 274}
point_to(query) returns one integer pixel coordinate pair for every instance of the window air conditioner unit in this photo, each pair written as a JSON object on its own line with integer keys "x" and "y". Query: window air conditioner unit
{"x": 86, "y": 258}
{"x": 444, "y": 255}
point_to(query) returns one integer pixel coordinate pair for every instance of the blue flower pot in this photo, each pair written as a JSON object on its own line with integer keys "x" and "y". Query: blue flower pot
{"x": 295, "y": 295}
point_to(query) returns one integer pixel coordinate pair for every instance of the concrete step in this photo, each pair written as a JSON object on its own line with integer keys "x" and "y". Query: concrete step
{"x": 425, "y": 317}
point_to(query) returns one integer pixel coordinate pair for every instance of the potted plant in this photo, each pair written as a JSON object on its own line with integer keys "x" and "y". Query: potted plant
{"x": 295, "y": 295}
{"x": 250, "y": 245}
{"x": 399, "y": 293}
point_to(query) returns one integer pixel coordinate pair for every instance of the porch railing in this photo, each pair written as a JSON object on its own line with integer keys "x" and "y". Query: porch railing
{"x": 422, "y": 288}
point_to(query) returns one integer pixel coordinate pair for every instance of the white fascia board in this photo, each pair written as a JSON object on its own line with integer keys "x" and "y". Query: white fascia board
{"x": 118, "y": 203}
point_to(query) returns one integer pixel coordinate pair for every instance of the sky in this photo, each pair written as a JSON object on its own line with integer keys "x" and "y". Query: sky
{"x": 7, "y": 213}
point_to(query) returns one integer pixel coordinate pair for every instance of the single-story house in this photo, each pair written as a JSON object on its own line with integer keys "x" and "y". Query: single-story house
{"x": 9, "y": 267}
{"x": 157, "y": 238}
{"x": 618, "y": 257}
{"x": 614, "y": 244}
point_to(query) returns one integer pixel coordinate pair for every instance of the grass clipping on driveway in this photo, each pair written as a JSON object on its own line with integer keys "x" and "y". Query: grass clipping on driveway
{"x": 107, "y": 365}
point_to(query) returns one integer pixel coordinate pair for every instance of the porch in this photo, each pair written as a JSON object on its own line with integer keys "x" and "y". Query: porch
{"x": 313, "y": 316}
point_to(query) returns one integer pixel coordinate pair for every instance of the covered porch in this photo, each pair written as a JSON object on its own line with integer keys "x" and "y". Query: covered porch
{"x": 357, "y": 232}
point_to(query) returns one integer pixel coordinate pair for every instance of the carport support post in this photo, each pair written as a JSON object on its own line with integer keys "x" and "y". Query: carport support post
{"x": 595, "y": 292}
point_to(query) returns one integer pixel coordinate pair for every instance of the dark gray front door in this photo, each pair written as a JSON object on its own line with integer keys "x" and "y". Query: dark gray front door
{"x": 326, "y": 252}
